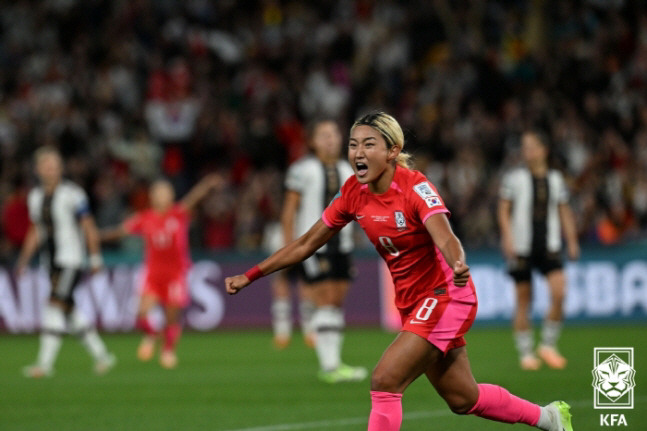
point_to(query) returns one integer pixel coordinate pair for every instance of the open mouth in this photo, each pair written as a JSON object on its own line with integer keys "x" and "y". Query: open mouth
{"x": 361, "y": 168}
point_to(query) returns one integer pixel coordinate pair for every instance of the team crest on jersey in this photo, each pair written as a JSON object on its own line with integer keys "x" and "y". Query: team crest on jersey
{"x": 425, "y": 191}
{"x": 400, "y": 221}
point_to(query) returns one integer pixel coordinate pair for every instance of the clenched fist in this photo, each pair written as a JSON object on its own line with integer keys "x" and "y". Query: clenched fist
{"x": 234, "y": 284}
{"x": 461, "y": 273}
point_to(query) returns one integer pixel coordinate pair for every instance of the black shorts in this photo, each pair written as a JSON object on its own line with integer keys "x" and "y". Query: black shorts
{"x": 292, "y": 273}
{"x": 520, "y": 269}
{"x": 327, "y": 266}
{"x": 64, "y": 281}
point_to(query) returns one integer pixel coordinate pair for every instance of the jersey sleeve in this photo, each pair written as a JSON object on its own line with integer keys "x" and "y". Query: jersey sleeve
{"x": 134, "y": 223}
{"x": 425, "y": 199}
{"x": 562, "y": 191}
{"x": 338, "y": 213}
{"x": 80, "y": 202}
{"x": 32, "y": 206}
{"x": 506, "y": 191}
{"x": 295, "y": 178}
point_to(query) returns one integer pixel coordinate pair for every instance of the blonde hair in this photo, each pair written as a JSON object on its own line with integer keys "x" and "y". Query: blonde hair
{"x": 390, "y": 130}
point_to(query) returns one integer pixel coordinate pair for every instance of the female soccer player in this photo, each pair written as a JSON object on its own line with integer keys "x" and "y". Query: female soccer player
{"x": 533, "y": 211}
{"x": 165, "y": 230}
{"x": 406, "y": 220}
{"x": 61, "y": 225}
{"x": 312, "y": 183}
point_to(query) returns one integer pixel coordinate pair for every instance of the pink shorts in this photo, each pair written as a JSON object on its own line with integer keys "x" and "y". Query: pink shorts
{"x": 172, "y": 291}
{"x": 442, "y": 320}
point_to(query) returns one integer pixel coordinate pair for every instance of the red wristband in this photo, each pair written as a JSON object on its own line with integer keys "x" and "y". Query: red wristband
{"x": 254, "y": 273}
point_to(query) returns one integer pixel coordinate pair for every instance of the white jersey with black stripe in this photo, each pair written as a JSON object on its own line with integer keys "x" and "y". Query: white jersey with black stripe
{"x": 307, "y": 176}
{"x": 517, "y": 187}
{"x": 57, "y": 218}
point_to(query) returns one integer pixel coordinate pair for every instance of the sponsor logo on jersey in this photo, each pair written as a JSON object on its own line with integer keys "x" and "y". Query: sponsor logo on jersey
{"x": 427, "y": 194}
{"x": 400, "y": 221}
{"x": 440, "y": 291}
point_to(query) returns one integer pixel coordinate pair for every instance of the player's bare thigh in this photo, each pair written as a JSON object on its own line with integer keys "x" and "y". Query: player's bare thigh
{"x": 407, "y": 358}
{"x": 305, "y": 292}
{"x": 172, "y": 313}
{"x": 146, "y": 303}
{"x": 451, "y": 376}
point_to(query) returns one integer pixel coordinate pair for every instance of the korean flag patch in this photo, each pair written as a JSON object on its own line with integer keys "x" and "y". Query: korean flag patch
{"x": 425, "y": 191}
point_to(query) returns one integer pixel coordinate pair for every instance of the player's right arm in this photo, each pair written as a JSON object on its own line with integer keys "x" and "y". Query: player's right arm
{"x": 288, "y": 214}
{"x": 29, "y": 247}
{"x": 335, "y": 217}
{"x": 293, "y": 253}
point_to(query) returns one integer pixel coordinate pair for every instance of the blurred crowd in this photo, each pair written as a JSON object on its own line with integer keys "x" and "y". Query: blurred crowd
{"x": 130, "y": 90}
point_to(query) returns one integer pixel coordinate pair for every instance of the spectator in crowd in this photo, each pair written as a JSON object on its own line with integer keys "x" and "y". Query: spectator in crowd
{"x": 15, "y": 219}
{"x": 203, "y": 86}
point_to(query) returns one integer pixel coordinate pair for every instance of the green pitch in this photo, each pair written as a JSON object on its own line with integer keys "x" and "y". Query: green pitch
{"x": 236, "y": 381}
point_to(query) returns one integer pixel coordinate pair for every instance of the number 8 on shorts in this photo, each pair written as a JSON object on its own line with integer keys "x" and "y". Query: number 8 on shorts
{"x": 425, "y": 310}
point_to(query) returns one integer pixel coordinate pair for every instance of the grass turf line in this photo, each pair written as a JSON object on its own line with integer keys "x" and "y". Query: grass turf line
{"x": 233, "y": 380}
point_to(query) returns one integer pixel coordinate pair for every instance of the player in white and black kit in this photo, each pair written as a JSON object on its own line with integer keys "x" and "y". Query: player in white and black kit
{"x": 533, "y": 213}
{"x": 312, "y": 183}
{"x": 61, "y": 225}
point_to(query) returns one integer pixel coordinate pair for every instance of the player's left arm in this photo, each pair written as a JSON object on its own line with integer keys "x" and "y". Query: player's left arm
{"x": 93, "y": 241}
{"x": 449, "y": 245}
{"x": 570, "y": 230}
{"x": 200, "y": 191}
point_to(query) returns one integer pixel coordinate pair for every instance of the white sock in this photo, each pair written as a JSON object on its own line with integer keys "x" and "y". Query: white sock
{"x": 282, "y": 317}
{"x": 545, "y": 422}
{"x": 524, "y": 341}
{"x": 87, "y": 333}
{"x": 550, "y": 332}
{"x": 328, "y": 322}
{"x": 306, "y": 311}
{"x": 53, "y": 328}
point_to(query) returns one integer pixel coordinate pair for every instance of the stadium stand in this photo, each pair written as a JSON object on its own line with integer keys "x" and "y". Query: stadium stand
{"x": 129, "y": 90}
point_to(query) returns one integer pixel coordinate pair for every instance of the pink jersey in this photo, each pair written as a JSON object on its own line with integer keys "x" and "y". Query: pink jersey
{"x": 166, "y": 241}
{"x": 394, "y": 223}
